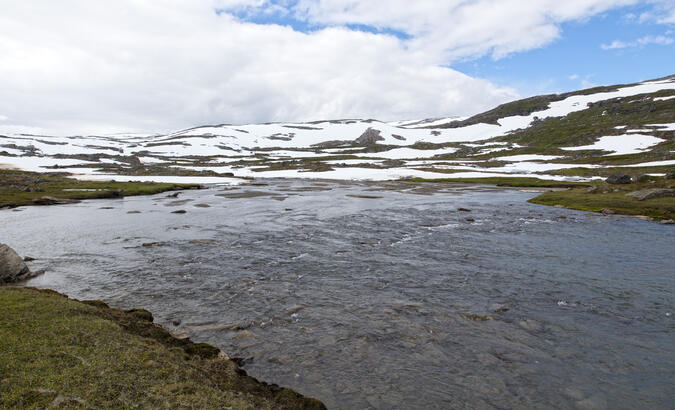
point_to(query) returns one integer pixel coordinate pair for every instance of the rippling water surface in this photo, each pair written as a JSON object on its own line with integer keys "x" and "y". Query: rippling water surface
{"x": 384, "y": 295}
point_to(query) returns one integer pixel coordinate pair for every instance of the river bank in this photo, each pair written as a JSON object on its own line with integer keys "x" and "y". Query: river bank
{"x": 373, "y": 294}
{"x": 61, "y": 352}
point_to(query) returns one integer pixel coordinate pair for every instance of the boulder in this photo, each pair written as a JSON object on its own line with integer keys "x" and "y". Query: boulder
{"x": 618, "y": 179}
{"x": 12, "y": 266}
{"x": 369, "y": 137}
{"x": 652, "y": 193}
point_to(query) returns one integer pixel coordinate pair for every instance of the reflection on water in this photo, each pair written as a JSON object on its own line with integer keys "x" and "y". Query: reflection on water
{"x": 384, "y": 295}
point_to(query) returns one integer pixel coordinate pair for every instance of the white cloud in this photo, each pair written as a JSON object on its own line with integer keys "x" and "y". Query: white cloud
{"x": 155, "y": 65}
{"x": 3, "y": 117}
{"x": 574, "y": 77}
{"x": 663, "y": 12}
{"x": 642, "y": 41}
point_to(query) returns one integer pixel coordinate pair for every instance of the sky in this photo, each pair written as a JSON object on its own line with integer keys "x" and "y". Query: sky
{"x": 98, "y": 67}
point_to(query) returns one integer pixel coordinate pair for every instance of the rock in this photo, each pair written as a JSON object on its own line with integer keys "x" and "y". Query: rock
{"x": 134, "y": 212}
{"x": 643, "y": 178}
{"x": 499, "y": 308}
{"x": 50, "y": 200}
{"x": 12, "y": 267}
{"x": 619, "y": 179}
{"x": 592, "y": 403}
{"x": 28, "y": 259}
{"x": 369, "y": 137}
{"x": 668, "y": 222}
{"x": 174, "y": 195}
{"x": 476, "y": 317}
{"x": 607, "y": 211}
{"x": 670, "y": 175}
{"x": 179, "y": 333}
{"x": 141, "y": 314}
{"x": 245, "y": 334}
{"x": 652, "y": 193}
{"x": 531, "y": 325}
{"x": 463, "y": 210}
{"x": 202, "y": 205}
{"x": 180, "y": 211}
{"x": 470, "y": 219}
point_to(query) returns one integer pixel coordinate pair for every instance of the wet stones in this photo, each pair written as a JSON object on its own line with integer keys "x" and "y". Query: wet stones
{"x": 476, "y": 317}
{"x": 180, "y": 211}
{"x": 531, "y": 325}
{"x": 499, "y": 308}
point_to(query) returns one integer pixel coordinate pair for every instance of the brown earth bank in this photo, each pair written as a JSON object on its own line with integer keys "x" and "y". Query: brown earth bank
{"x": 57, "y": 352}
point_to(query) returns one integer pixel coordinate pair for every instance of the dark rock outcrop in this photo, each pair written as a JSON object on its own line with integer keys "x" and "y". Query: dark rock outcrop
{"x": 619, "y": 179}
{"x": 369, "y": 137}
{"x": 12, "y": 267}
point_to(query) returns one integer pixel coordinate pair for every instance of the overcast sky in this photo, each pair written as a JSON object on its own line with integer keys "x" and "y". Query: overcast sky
{"x": 71, "y": 67}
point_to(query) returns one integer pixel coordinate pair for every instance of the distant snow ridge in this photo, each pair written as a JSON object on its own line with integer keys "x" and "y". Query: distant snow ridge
{"x": 352, "y": 148}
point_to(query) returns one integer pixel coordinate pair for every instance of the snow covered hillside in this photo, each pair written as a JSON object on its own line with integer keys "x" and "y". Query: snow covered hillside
{"x": 575, "y": 136}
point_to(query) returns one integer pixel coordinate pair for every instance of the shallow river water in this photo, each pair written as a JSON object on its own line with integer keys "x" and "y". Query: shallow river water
{"x": 383, "y": 295}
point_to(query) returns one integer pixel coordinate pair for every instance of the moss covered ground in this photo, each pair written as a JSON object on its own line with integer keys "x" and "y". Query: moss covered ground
{"x": 613, "y": 198}
{"x": 19, "y": 188}
{"x": 57, "y": 352}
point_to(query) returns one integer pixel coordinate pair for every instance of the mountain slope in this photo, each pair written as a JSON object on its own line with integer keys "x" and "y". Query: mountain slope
{"x": 571, "y": 136}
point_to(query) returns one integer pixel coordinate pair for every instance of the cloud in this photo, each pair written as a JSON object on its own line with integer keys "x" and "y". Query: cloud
{"x": 107, "y": 66}
{"x": 662, "y": 12}
{"x": 640, "y": 42}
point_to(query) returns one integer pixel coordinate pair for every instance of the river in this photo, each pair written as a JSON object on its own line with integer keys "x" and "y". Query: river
{"x": 384, "y": 295}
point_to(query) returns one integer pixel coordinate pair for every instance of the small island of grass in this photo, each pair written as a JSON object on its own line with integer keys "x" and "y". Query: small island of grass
{"x": 19, "y": 188}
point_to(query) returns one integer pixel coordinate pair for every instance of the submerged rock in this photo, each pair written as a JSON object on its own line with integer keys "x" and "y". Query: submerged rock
{"x": 12, "y": 267}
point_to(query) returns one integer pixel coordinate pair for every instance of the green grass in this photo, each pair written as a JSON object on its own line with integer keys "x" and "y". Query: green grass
{"x": 605, "y": 172}
{"x": 19, "y": 188}
{"x": 613, "y": 197}
{"x": 56, "y": 351}
{"x": 585, "y": 126}
{"x": 518, "y": 182}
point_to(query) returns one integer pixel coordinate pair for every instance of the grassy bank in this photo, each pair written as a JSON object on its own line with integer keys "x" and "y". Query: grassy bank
{"x": 516, "y": 182}
{"x": 59, "y": 352}
{"x": 18, "y": 188}
{"x": 613, "y": 198}
{"x": 594, "y": 196}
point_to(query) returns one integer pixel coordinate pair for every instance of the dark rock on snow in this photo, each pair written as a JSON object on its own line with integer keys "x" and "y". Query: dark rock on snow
{"x": 369, "y": 137}
{"x": 619, "y": 179}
